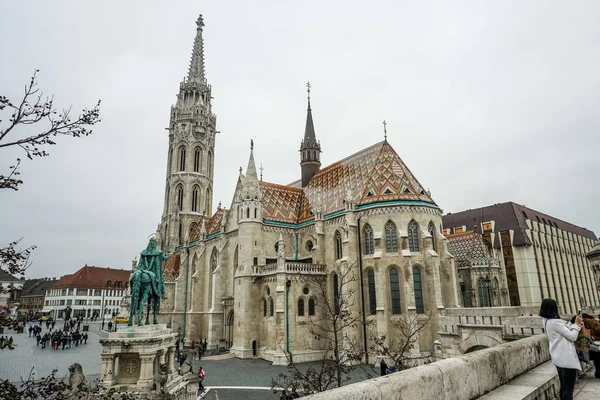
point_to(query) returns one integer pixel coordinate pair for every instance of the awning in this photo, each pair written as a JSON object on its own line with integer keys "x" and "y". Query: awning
{"x": 47, "y": 310}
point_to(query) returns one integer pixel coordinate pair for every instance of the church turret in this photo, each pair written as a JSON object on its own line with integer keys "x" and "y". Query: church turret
{"x": 250, "y": 206}
{"x": 310, "y": 148}
{"x": 190, "y": 162}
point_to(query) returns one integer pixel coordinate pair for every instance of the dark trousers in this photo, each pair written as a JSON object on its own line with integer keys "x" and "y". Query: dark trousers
{"x": 595, "y": 357}
{"x": 567, "y": 377}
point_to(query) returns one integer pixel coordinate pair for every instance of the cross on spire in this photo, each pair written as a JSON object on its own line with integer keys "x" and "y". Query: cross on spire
{"x": 261, "y": 171}
{"x": 385, "y": 129}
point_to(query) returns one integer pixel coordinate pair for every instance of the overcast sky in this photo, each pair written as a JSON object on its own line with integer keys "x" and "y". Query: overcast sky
{"x": 485, "y": 101}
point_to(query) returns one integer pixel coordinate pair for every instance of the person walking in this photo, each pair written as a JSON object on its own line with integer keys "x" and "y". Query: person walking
{"x": 30, "y": 330}
{"x": 561, "y": 338}
{"x": 102, "y": 328}
{"x": 383, "y": 367}
{"x": 37, "y": 339}
{"x": 85, "y": 338}
{"x": 201, "y": 375}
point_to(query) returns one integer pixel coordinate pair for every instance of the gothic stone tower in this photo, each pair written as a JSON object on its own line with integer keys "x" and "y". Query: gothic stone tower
{"x": 188, "y": 194}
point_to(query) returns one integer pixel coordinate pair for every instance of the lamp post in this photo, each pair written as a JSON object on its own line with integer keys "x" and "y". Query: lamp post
{"x": 487, "y": 286}
{"x": 288, "y": 284}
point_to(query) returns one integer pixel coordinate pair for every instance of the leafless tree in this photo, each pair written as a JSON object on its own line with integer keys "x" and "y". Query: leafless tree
{"x": 33, "y": 125}
{"x": 331, "y": 330}
{"x": 397, "y": 347}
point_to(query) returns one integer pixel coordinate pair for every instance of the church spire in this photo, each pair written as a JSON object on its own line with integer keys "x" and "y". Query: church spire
{"x": 196, "y": 71}
{"x": 310, "y": 148}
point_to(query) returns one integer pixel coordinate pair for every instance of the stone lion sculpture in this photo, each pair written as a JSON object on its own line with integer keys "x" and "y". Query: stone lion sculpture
{"x": 77, "y": 380}
{"x": 160, "y": 378}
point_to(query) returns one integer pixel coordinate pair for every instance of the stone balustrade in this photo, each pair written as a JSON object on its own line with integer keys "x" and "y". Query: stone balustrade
{"x": 303, "y": 268}
{"x": 466, "y": 377}
{"x": 290, "y": 268}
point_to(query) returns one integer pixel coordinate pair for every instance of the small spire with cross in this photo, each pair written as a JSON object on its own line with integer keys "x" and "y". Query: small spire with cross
{"x": 308, "y": 93}
{"x": 385, "y": 130}
{"x": 251, "y": 144}
{"x": 261, "y": 171}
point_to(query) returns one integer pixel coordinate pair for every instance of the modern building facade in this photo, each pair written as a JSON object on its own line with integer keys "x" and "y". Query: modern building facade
{"x": 243, "y": 277}
{"x": 543, "y": 256}
{"x": 91, "y": 291}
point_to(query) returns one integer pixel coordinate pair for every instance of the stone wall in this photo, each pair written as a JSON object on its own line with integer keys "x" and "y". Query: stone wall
{"x": 466, "y": 377}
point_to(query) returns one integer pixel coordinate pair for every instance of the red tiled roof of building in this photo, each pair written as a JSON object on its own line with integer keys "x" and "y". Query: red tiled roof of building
{"x": 90, "y": 277}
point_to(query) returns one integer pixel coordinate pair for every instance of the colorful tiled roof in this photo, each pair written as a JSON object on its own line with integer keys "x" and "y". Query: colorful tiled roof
{"x": 90, "y": 277}
{"x": 171, "y": 266}
{"x": 280, "y": 203}
{"x": 211, "y": 224}
{"x": 469, "y": 249}
{"x": 374, "y": 174}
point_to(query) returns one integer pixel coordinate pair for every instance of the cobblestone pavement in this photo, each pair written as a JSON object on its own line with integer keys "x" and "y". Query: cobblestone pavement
{"x": 18, "y": 363}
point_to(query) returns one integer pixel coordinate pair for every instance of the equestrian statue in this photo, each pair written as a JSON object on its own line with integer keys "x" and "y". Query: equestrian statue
{"x": 147, "y": 284}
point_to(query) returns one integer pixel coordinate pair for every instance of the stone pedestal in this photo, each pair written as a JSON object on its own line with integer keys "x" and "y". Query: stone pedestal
{"x": 132, "y": 355}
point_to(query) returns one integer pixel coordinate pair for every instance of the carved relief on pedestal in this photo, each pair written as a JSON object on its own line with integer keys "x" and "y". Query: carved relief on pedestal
{"x": 129, "y": 368}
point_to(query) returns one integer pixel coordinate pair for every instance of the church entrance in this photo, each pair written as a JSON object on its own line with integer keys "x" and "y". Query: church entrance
{"x": 229, "y": 330}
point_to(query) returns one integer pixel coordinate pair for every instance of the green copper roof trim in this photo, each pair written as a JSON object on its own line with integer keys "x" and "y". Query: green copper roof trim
{"x": 213, "y": 235}
{"x": 195, "y": 242}
{"x": 342, "y": 212}
{"x": 396, "y": 203}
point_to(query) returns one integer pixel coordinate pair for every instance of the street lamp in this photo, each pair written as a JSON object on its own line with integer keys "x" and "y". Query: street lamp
{"x": 288, "y": 285}
{"x": 487, "y": 286}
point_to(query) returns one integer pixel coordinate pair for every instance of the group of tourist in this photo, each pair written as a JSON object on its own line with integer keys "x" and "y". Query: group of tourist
{"x": 571, "y": 343}
{"x": 6, "y": 342}
{"x": 59, "y": 339}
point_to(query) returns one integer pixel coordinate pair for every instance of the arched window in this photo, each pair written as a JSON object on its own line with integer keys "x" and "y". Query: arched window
{"x": 255, "y": 212}
{"x": 372, "y": 298}
{"x": 391, "y": 239}
{"x": 301, "y": 307}
{"x": 197, "y": 160}
{"x": 413, "y": 236}
{"x": 209, "y": 164}
{"x": 235, "y": 259}
{"x": 395, "y": 291}
{"x": 182, "y": 158}
{"x": 369, "y": 244}
{"x": 264, "y": 307}
{"x": 338, "y": 245}
{"x": 484, "y": 299}
{"x": 213, "y": 260}
{"x": 311, "y": 306}
{"x": 271, "y": 307}
{"x": 180, "y": 233}
{"x": 180, "y": 197}
{"x": 431, "y": 230}
{"x": 193, "y": 227}
{"x": 195, "y": 198}
{"x": 418, "y": 290}
{"x": 247, "y": 212}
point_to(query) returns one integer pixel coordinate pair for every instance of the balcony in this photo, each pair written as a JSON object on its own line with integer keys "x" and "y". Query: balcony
{"x": 290, "y": 268}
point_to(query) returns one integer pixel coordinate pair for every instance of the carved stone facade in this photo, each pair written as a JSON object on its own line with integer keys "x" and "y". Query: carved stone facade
{"x": 242, "y": 278}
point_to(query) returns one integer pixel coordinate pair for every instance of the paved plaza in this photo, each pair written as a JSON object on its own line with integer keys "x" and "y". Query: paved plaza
{"x": 226, "y": 378}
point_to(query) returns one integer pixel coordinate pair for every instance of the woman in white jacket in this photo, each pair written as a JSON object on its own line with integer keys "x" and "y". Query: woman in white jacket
{"x": 561, "y": 337}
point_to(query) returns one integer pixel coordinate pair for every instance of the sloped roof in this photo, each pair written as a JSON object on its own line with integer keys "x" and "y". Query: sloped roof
{"x": 468, "y": 248}
{"x": 171, "y": 266}
{"x": 90, "y": 277}
{"x": 511, "y": 216}
{"x": 211, "y": 224}
{"x": 36, "y": 287}
{"x": 5, "y": 276}
{"x": 373, "y": 174}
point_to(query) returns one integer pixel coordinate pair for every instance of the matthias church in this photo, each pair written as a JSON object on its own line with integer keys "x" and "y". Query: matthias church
{"x": 243, "y": 276}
